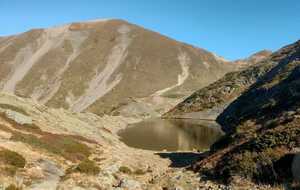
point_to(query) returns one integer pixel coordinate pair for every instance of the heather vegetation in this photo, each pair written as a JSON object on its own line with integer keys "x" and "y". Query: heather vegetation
{"x": 13, "y": 108}
{"x": 65, "y": 146}
{"x": 85, "y": 166}
{"x": 11, "y": 161}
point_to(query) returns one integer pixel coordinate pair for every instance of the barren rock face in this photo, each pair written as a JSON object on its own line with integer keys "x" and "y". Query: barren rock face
{"x": 98, "y": 65}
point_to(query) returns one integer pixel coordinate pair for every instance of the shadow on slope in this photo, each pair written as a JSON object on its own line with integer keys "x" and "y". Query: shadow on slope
{"x": 182, "y": 159}
{"x": 265, "y": 96}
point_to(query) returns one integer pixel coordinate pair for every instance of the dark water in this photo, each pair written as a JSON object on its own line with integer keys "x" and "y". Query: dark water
{"x": 171, "y": 135}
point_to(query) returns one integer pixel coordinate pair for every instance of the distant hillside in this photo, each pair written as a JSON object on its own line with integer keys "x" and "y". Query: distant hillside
{"x": 101, "y": 65}
{"x": 253, "y": 59}
{"x": 210, "y": 101}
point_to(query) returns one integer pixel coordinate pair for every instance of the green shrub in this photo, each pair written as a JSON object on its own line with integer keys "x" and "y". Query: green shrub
{"x": 13, "y": 108}
{"x": 125, "y": 169}
{"x": 246, "y": 164}
{"x": 12, "y": 158}
{"x": 172, "y": 95}
{"x": 31, "y": 127}
{"x": 70, "y": 148}
{"x": 139, "y": 172}
{"x": 62, "y": 145}
{"x": 86, "y": 166}
{"x": 13, "y": 187}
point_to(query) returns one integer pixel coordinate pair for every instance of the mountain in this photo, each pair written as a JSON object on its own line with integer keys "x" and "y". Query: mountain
{"x": 103, "y": 66}
{"x": 210, "y": 101}
{"x": 253, "y": 59}
{"x": 262, "y": 126}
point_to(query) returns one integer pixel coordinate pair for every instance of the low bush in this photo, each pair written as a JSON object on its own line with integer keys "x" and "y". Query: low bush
{"x": 65, "y": 146}
{"x": 125, "y": 169}
{"x": 12, "y": 158}
{"x": 13, "y": 108}
{"x": 139, "y": 172}
{"x": 86, "y": 166}
{"x": 13, "y": 187}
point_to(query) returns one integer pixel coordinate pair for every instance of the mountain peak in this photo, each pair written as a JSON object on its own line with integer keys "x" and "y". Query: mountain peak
{"x": 97, "y": 65}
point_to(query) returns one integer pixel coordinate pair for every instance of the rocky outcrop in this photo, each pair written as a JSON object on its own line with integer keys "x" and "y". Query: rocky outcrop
{"x": 65, "y": 150}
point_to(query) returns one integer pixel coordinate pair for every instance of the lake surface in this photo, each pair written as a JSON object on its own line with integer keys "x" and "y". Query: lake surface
{"x": 171, "y": 134}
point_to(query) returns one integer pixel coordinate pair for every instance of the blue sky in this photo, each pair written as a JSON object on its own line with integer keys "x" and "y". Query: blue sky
{"x": 230, "y": 28}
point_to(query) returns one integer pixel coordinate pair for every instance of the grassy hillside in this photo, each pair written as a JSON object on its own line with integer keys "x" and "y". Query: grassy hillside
{"x": 262, "y": 125}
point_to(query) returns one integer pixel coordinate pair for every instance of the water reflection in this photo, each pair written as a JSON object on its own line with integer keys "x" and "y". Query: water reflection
{"x": 171, "y": 135}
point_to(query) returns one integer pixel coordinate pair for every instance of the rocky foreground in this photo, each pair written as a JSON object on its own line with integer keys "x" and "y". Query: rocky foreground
{"x": 44, "y": 148}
